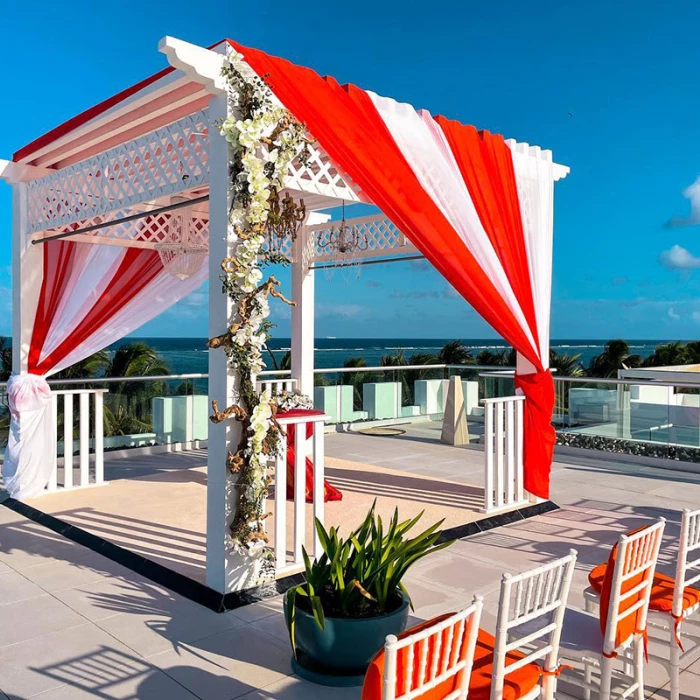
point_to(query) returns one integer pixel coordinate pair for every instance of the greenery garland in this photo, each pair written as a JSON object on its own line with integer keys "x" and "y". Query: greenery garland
{"x": 264, "y": 140}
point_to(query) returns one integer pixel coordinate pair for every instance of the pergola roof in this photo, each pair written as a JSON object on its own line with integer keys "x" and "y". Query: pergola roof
{"x": 149, "y": 104}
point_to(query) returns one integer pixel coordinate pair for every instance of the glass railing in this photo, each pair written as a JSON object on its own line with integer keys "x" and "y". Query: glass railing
{"x": 619, "y": 415}
{"x": 387, "y": 393}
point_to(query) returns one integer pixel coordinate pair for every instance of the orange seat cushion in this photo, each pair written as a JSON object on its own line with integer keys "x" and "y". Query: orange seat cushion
{"x": 517, "y": 684}
{"x": 661, "y": 598}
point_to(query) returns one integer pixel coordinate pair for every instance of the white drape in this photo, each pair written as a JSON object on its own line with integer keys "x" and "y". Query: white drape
{"x": 426, "y": 150}
{"x": 32, "y": 441}
{"x": 535, "y": 179}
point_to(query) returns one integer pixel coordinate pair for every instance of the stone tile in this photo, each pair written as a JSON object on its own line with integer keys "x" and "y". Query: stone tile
{"x": 60, "y": 575}
{"x": 229, "y": 664}
{"x": 29, "y": 544}
{"x": 258, "y": 611}
{"x": 430, "y": 600}
{"x": 275, "y": 626}
{"x": 152, "y": 620}
{"x": 48, "y": 662}
{"x": 108, "y": 597}
{"x": 35, "y": 617}
{"x": 294, "y": 688}
{"x": 14, "y": 587}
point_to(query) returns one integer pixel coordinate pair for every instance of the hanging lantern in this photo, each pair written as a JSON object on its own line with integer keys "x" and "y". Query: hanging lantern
{"x": 180, "y": 253}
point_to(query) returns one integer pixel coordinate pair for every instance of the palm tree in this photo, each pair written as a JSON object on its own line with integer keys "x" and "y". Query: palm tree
{"x": 355, "y": 379}
{"x": 615, "y": 357}
{"x": 5, "y": 359}
{"x": 134, "y": 397}
{"x": 566, "y": 365}
{"x": 394, "y": 359}
{"x": 500, "y": 358}
{"x": 93, "y": 366}
{"x": 455, "y": 353}
{"x": 669, "y": 354}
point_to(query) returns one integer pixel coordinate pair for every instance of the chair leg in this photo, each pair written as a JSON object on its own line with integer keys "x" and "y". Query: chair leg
{"x": 639, "y": 667}
{"x": 588, "y": 679}
{"x": 674, "y": 667}
{"x": 606, "y": 678}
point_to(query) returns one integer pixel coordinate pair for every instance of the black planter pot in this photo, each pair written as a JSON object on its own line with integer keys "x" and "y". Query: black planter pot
{"x": 340, "y": 653}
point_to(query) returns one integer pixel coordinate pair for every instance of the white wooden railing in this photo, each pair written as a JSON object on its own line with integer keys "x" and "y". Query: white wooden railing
{"x": 503, "y": 452}
{"x": 276, "y": 386}
{"x": 90, "y": 411}
{"x": 289, "y": 561}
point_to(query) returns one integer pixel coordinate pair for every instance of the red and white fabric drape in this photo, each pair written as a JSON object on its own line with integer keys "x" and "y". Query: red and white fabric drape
{"x": 91, "y": 296}
{"x": 477, "y": 206}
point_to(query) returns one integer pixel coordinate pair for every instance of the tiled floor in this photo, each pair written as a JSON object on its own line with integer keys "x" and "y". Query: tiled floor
{"x": 74, "y": 625}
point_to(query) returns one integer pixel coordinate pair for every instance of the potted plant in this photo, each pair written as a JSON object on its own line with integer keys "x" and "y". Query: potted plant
{"x": 353, "y": 596}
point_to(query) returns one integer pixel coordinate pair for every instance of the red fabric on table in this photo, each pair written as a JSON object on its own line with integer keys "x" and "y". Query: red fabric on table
{"x": 330, "y": 493}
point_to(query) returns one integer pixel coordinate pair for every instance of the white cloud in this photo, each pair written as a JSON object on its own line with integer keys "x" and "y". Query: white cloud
{"x": 678, "y": 258}
{"x": 692, "y": 193}
{"x": 672, "y": 314}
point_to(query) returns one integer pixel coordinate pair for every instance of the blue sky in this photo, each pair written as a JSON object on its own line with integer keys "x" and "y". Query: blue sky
{"x": 609, "y": 87}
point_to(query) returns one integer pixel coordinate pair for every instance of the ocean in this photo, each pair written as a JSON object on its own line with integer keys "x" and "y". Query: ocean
{"x": 189, "y": 355}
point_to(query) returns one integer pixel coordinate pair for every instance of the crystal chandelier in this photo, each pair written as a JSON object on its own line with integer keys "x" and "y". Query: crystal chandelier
{"x": 343, "y": 240}
{"x": 283, "y": 220}
{"x": 180, "y": 253}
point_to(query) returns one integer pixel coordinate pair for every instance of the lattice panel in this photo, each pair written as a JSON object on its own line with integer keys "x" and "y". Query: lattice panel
{"x": 320, "y": 176}
{"x": 166, "y": 161}
{"x": 380, "y": 235}
{"x": 150, "y": 229}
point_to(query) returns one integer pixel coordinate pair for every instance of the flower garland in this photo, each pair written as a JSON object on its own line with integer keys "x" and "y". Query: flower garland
{"x": 264, "y": 140}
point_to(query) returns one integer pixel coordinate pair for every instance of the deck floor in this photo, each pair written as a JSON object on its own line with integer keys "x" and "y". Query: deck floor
{"x": 75, "y": 625}
{"x": 155, "y": 505}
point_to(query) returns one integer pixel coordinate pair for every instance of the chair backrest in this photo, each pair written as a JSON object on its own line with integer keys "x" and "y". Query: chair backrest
{"x": 632, "y": 578}
{"x": 688, "y": 557}
{"x": 420, "y": 662}
{"x": 531, "y": 609}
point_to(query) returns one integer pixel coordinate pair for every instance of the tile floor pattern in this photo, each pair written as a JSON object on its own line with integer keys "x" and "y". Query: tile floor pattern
{"x": 74, "y": 625}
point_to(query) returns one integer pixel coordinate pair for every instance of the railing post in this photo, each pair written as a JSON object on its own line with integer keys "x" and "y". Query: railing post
{"x": 319, "y": 477}
{"x": 53, "y": 479}
{"x": 84, "y": 439}
{"x": 68, "y": 441}
{"x": 99, "y": 438}
{"x": 503, "y": 453}
{"x": 299, "y": 490}
{"x": 281, "y": 505}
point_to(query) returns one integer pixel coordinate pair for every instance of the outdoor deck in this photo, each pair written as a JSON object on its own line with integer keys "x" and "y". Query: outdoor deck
{"x": 414, "y": 472}
{"x": 75, "y": 625}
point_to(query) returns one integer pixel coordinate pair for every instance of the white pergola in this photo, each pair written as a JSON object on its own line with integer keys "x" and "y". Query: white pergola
{"x": 127, "y": 158}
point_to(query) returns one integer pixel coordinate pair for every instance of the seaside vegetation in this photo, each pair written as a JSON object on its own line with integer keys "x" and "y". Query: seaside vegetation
{"x": 128, "y": 403}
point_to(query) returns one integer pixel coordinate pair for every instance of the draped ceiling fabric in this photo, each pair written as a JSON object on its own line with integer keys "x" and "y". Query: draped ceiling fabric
{"x": 91, "y": 296}
{"x": 477, "y": 206}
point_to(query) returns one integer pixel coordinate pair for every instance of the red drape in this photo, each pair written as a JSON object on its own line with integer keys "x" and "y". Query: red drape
{"x": 330, "y": 493}
{"x": 347, "y": 125}
{"x": 136, "y": 270}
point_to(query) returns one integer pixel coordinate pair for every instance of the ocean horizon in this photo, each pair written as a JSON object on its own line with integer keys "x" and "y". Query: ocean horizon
{"x": 189, "y": 355}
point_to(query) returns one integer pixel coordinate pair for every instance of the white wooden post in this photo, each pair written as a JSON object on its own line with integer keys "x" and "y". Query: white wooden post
{"x": 303, "y": 312}
{"x": 27, "y": 273}
{"x": 226, "y": 570}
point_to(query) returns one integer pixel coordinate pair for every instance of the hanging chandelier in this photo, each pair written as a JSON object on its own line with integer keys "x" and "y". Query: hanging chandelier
{"x": 283, "y": 220}
{"x": 343, "y": 241}
{"x": 180, "y": 252}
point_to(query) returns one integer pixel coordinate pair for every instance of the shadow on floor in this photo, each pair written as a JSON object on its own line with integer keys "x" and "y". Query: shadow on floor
{"x": 407, "y": 488}
{"x": 177, "y": 548}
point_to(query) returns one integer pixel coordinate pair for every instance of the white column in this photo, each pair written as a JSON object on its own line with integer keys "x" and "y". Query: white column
{"x": 27, "y": 273}
{"x": 226, "y": 570}
{"x": 303, "y": 312}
